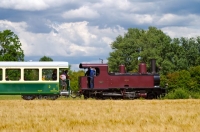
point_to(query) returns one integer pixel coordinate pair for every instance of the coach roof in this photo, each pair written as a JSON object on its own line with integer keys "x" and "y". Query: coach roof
{"x": 34, "y": 64}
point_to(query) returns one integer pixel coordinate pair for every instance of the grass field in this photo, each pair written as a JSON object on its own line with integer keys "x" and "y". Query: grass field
{"x": 10, "y": 97}
{"x": 100, "y": 115}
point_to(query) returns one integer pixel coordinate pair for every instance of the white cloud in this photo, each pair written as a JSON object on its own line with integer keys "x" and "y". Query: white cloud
{"x": 107, "y": 40}
{"x": 170, "y": 19}
{"x": 82, "y": 12}
{"x": 88, "y": 40}
{"x": 142, "y": 19}
{"x": 193, "y": 20}
{"x": 77, "y": 39}
{"x": 77, "y": 32}
{"x": 177, "y": 32}
{"x": 117, "y": 4}
{"x": 17, "y": 26}
{"x": 30, "y": 5}
{"x": 70, "y": 39}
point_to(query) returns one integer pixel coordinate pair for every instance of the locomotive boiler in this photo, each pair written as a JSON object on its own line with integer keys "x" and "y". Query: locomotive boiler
{"x": 121, "y": 85}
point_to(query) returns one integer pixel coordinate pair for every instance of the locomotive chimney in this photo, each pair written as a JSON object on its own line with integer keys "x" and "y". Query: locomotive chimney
{"x": 153, "y": 66}
{"x": 142, "y": 68}
{"x": 121, "y": 69}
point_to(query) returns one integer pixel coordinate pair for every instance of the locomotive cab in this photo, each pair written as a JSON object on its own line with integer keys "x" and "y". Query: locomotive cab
{"x": 100, "y": 71}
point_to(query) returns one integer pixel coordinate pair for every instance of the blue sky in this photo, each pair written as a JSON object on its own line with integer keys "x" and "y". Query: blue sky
{"x": 82, "y": 31}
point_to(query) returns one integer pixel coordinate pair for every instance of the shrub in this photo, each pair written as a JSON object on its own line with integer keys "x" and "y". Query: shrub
{"x": 178, "y": 94}
{"x": 195, "y": 95}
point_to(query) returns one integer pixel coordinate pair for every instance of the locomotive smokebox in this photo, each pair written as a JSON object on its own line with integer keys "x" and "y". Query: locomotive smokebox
{"x": 153, "y": 66}
{"x": 142, "y": 68}
{"x": 121, "y": 69}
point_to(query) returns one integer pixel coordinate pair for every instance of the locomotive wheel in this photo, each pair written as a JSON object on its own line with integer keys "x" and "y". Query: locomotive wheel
{"x": 28, "y": 97}
{"x": 151, "y": 96}
{"x": 86, "y": 95}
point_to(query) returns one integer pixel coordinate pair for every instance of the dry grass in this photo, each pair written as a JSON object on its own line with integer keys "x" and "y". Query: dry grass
{"x": 100, "y": 115}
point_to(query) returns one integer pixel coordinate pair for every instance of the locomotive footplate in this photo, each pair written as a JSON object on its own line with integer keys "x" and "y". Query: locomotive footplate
{"x": 112, "y": 94}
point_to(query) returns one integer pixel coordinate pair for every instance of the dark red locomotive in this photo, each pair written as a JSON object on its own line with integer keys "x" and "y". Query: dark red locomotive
{"x": 121, "y": 85}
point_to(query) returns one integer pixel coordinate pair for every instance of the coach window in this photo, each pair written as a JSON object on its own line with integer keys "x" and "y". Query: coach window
{"x": 1, "y": 73}
{"x": 31, "y": 74}
{"x": 13, "y": 74}
{"x": 49, "y": 74}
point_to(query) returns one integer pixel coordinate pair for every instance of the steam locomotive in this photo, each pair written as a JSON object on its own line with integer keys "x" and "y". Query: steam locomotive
{"x": 121, "y": 85}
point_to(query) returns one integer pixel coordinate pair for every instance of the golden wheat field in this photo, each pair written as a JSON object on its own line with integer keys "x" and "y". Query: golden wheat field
{"x": 100, "y": 116}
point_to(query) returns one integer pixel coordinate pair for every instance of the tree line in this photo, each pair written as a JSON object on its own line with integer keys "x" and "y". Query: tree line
{"x": 138, "y": 45}
{"x": 177, "y": 59}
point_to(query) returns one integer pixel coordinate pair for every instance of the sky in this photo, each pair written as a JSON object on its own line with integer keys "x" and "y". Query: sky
{"x": 82, "y": 30}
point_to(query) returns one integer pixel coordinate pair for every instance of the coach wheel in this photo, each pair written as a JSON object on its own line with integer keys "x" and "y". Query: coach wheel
{"x": 151, "y": 96}
{"x": 53, "y": 97}
{"x": 28, "y": 97}
{"x": 40, "y": 97}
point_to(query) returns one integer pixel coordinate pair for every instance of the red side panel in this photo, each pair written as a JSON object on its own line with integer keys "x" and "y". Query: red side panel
{"x": 103, "y": 82}
{"x": 83, "y": 82}
{"x": 140, "y": 81}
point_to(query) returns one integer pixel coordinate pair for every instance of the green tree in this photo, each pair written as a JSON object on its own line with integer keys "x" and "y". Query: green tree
{"x": 195, "y": 75}
{"x": 45, "y": 58}
{"x": 74, "y": 75}
{"x": 172, "y": 57}
{"x": 191, "y": 50}
{"x": 10, "y": 47}
{"x": 138, "y": 43}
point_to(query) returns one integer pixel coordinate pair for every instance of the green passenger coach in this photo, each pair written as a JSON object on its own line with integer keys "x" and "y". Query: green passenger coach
{"x": 33, "y": 79}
